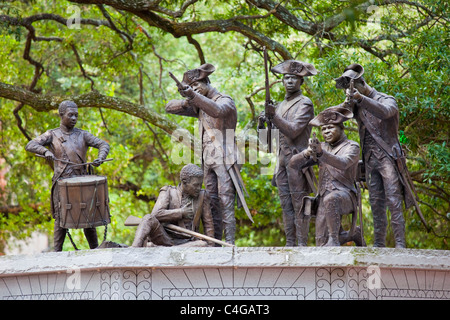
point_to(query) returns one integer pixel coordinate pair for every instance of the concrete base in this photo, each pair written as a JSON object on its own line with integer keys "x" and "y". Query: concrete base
{"x": 228, "y": 273}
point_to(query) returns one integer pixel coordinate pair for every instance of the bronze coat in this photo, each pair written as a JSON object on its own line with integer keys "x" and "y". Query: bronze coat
{"x": 169, "y": 200}
{"x": 338, "y": 167}
{"x": 341, "y": 161}
{"x": 71, "y": 147}
{"x": 218, "y": 111}
{"x": 381, "y": 111}
{"x": 291, "y": 118}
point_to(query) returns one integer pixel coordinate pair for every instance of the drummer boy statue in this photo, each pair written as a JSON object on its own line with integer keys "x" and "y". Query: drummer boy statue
{"x": 68, "y": 144}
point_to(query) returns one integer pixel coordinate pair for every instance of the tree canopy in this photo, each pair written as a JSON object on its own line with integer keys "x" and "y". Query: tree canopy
{"x": 112, "y": 58}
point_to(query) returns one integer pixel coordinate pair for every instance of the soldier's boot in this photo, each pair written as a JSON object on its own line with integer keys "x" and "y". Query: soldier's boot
{"x": 301, "y": 221}
{"x": 399, "y": 235}
{"x": 91, "y": 237}
{"x": 229, "y": 226}
{"x": 379, "y": 239}
{"x": 217, "y": 216}
{"x": 59, "y": 235}
{"x": 289, "y": 228}
{"x": 379, "y": 227}
{"x": 333, "y": 224}
{"x": 230, "y": 234}
{"x": 302, "y": 230}
{"x": 229, "y": 220}
{"x": 288, "y": 219}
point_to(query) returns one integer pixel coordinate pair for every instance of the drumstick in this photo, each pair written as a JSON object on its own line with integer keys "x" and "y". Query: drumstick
{"x": 63, "y": 161}
{"x": 73, "y": 163}
{"x": 82, "y": 164}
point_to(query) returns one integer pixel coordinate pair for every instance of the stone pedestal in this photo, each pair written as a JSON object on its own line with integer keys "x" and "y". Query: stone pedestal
{"x": 228, "y": 273}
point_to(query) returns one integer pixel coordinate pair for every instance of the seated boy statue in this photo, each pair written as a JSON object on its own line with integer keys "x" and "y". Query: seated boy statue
{"x": 183, "y": 206}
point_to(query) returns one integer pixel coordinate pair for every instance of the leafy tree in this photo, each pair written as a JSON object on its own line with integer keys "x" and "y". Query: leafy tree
{"x": 112, "y": 58}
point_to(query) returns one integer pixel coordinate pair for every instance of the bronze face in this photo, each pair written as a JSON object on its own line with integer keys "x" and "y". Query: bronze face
{"x": 70, "y": 117}
{"x": 200, "y": 87}
{"x": 192, "y": 186}
{"x": 292, "y": 83}
{"x": 331, "y": 133}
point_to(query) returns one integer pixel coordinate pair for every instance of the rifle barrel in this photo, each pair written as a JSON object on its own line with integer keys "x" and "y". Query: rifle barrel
{"x": 197, "y": 235}
{"x": 179, "y": 84}
{"x": 268, "y": 120}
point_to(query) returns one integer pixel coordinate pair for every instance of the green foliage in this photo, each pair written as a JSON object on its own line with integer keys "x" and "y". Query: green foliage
{"x": 439, "y": 157}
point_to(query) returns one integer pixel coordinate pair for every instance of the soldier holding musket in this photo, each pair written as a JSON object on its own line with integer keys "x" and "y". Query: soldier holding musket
{"x": 338, "y": 193}
{"x": 291, "y": 117}
{"x": 385, "y": 168}
{"x": 217, "y": 116}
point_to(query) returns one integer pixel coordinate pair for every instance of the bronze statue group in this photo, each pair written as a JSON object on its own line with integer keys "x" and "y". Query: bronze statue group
{"x": 179, "y": 210}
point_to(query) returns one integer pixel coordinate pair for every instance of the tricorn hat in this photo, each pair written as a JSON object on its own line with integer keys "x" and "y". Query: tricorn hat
{"x": 353, "y": 71}
{"x": 332, "y": 115}
{"x": 299, "y": 68}
{"x": 197, "y": 74}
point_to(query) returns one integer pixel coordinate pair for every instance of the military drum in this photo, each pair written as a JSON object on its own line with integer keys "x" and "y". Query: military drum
{"x": 84, "y": 202}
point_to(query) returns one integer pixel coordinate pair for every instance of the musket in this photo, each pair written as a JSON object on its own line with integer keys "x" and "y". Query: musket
{"x": 179, "y": 84}
{"x": 135, "y": 221}
{"x": 181, "y": 87}
{"x": 351, "y": 87}
{"x": 313, "y": 144}
{"x": 197, "y": 235}
{"x": 308, "y": 172}
{"x": 349, "y": 103}
{"x": 268, "y": 120}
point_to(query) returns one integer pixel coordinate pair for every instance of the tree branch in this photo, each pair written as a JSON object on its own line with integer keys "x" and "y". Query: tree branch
{"x": 80, "y": 64}
{"x": 93, "y": 99}
{"x": 190, "y": 28}
{"x": 197, "y": 46}
{"x": 49, "y": 16}
{"x": 129, "y": 186}
{"x": 143, "y": 9}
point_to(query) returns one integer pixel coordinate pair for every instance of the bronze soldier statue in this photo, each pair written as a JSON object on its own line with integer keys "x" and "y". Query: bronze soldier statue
{"x": 291, "y": 117}
{"x": 337, "y": 158}
{"x": 217, "y": 116}
{"x": 378, "y": 120}
{"x": 63, "y": 145}
{"x": 184, "y": 206}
